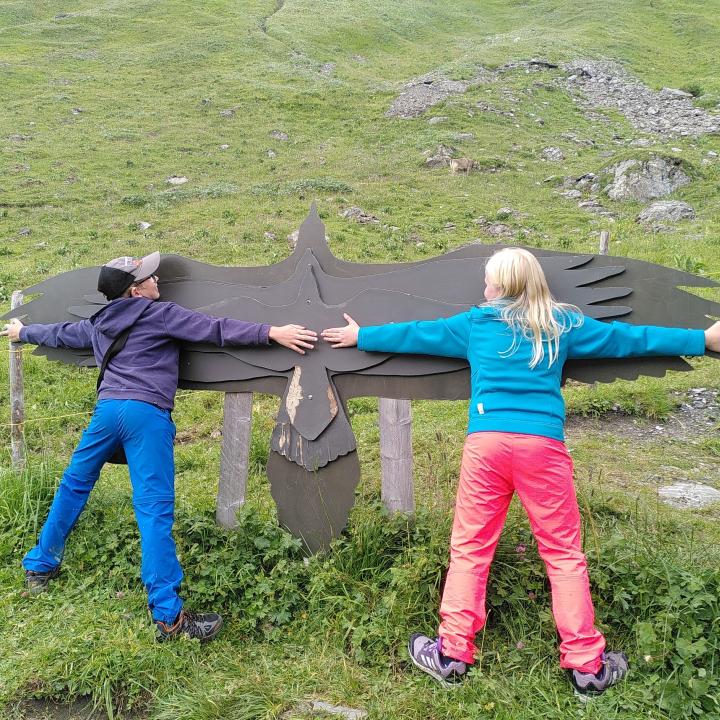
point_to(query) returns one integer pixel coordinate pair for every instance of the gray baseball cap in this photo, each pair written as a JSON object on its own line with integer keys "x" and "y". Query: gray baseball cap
{"x": 118, "y": 274}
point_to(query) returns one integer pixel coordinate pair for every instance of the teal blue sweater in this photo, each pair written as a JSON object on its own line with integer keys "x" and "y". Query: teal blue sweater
{"x": 506, "y": 394}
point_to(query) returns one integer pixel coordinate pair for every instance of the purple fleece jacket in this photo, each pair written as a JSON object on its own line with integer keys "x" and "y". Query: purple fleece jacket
{"x": 147, "y": 367}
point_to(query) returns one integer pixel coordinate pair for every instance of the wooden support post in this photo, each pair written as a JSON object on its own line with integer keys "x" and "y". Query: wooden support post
{"x": 237, "y": 427}
{"x": 396, "y": 455}
{"x": 17, "y": 396}
{"x": 604, "y": 242}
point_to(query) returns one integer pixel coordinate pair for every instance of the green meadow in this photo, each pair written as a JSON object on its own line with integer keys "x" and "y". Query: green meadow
{"x": 101, "y": 103}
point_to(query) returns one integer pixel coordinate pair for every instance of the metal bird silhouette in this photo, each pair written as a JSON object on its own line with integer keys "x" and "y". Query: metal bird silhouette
{"x": 313, "y": 466}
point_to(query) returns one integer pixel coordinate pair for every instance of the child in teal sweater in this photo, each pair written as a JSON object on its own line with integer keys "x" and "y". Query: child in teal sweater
{"x": 516, "y": 345}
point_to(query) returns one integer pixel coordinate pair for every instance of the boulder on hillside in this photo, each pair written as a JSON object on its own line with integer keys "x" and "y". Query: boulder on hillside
{"x": 666, "y": 211}
{"x": 441, "y": 158}
{"x": 646, "y": 180}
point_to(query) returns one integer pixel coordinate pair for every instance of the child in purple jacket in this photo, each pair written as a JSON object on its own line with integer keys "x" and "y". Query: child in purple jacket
{"x": 135, "y": 399}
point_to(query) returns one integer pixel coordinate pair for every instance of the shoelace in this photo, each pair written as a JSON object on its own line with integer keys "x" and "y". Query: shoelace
{"x": 191, "y": 625}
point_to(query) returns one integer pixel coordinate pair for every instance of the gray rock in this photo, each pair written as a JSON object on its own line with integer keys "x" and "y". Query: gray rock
{"x": 636, "y": 180}
{"x": 345, "y": 712}
{"x": 359, "y": 215}
{"x": 441, "y": 158}
{"x": 423, "y": 92}
{"x": 596, "y": 207}
{"x": 606, "y": 84}
{"x": 666, "y": 210}
{"x": 176, "y": 180}
{"x": 554, "y": 154}
{"x": 571, "y": 194}
{"x": 224, "y": 146}
{"x": 25, "y": 231}
{"x": 438, "y": 119}
{"x": 498, "y": 229}
{"x": 279, "y": 135}
{"x": 227, "y": 113}
{"x": 142, "y": 225}
{"x": 689, "y": 495}
{"x": 271, "y": 153}
{"x": 460, "y": 137}
{"x": 327, "y": 68}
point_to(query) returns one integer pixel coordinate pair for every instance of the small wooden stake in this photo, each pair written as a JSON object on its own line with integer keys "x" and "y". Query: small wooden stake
{"x": 396, "y": 458}
{"x": 237, "y": 427}
{"x": 604, "y": 242}
{"x": 17, "y": 396}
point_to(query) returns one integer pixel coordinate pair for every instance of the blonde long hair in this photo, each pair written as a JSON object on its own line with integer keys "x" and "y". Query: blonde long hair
{"x": 527, "y": 305}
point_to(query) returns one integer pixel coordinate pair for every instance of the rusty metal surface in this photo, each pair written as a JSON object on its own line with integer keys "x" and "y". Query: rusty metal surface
{"x": 313, "y": 442}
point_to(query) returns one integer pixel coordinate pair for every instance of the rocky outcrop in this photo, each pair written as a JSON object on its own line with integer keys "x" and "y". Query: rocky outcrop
{"x": 646, "y": 180}
{"x": 666, "y": 211}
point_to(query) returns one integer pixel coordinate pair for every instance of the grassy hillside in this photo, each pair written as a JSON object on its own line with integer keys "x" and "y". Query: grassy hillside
{"x": 100, "y": 103}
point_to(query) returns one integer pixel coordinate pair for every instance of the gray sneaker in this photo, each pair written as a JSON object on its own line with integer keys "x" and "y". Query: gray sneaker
{"x": 425, "y": 654}
{"x": 614, "y": 668}
{"x": 38, "y": 582}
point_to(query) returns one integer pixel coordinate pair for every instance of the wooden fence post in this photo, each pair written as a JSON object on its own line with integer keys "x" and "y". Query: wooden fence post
{"x": 396, "y": 458}
{"x": 237, "y": 427}
{"x": 17, "y": 396}
{"x": 604, "y": 242}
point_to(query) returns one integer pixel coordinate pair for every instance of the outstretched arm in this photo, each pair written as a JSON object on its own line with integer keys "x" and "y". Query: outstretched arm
{"x": 75, "y": 335}
{"x": 193, "y": 326}
{"x": 595, "y": 339}
{"x": 446, "y": 336}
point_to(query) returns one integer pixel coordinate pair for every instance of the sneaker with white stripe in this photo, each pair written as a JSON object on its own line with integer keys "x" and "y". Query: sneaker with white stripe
{"x": 425, "y": 654}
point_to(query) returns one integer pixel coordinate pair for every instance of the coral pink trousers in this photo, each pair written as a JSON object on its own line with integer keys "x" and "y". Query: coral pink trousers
{"x": 495, "y": 465}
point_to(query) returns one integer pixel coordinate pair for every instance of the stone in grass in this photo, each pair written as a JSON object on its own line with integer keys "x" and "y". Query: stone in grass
{"x": 24, "y": 232}
{"x": 341, "y": 710}
{"x": 441, "y": 158}
{"x": 571, "y": 194}
{"x": 227, "y": 113}
{"x": 359, "y": 215}
{"x": 320, "y": 707}
{"x": 176, "y": 180}
{"x": 553, "y": 154}
{"x": 142, "y": 225}
{"x": 689, "y": 495}
{"x": 224, "y": 146}
{"x": 279, "y": 135}
{"x": 654, "y": 178}
{"x": 438, "y": 119}
{"x": 667, "y": 211}
{"x": 271, "y": 153}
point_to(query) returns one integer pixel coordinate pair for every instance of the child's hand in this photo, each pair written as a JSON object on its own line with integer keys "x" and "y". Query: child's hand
{"x": 341, "y": 337}
{"x": 712, "y": 337}
{"x": 295, "y": 337}
{"x": 12, "y": 330}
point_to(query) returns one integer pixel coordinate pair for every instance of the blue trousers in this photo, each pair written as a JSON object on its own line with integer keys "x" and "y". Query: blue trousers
{"x": 147, "y": 433}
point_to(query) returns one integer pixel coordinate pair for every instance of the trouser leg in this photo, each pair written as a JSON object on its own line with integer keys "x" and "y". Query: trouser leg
{"x": 97, "y": 444}
{"x": 544, "y": 482}
{"x": 148, "y": 433}
{"x": 483, "y": 497}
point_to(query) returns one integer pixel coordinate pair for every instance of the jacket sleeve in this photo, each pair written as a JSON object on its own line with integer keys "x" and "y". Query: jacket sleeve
{"x": 75, "y": 335}
{"x": 193, "y": 326}
{"x": 446, "y": 336}
{"x": 595, "y": 339}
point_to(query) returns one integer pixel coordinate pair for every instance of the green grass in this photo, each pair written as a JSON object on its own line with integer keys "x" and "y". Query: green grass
{"x": 101, "y": 103}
